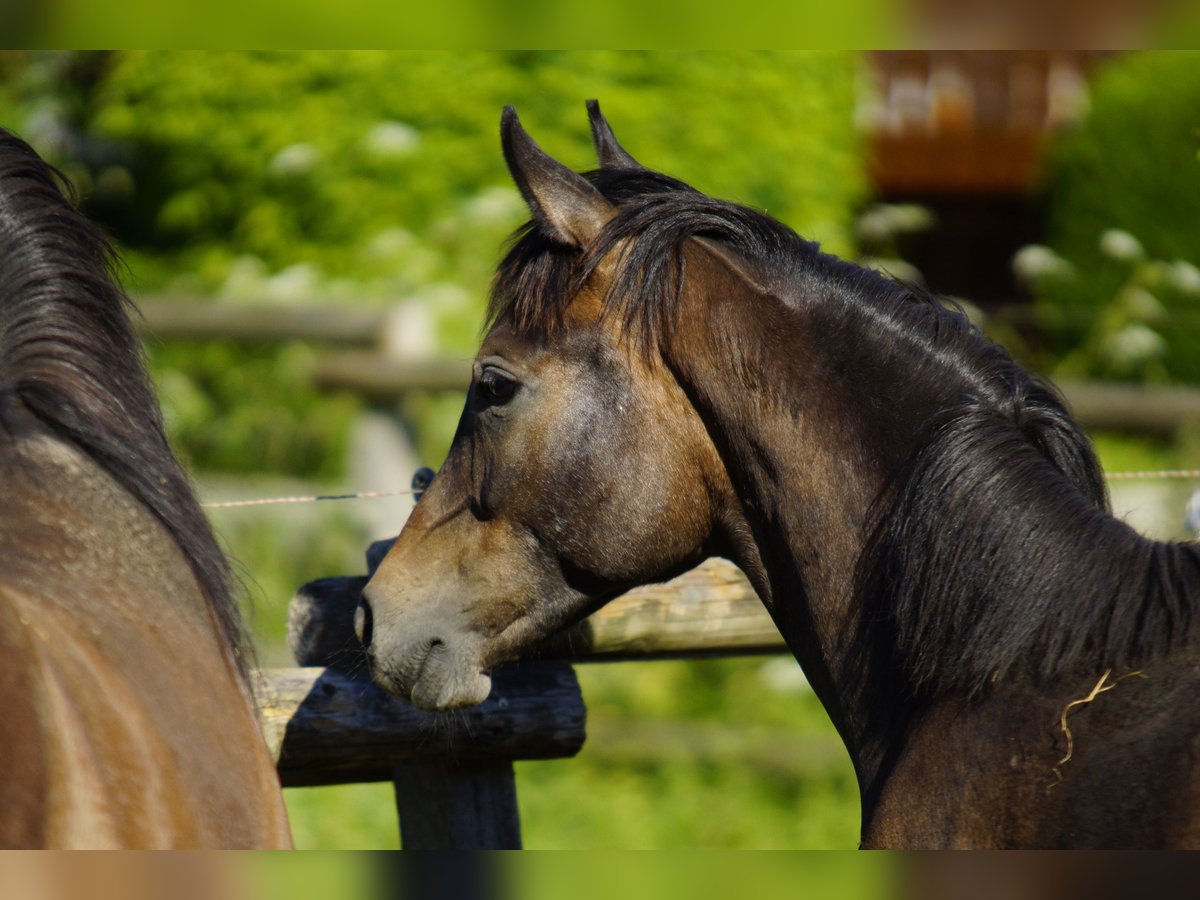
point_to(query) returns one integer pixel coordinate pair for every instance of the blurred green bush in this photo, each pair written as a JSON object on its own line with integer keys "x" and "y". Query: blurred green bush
{"x": 1131, "y": 165}
{"x": 369, "y": 176}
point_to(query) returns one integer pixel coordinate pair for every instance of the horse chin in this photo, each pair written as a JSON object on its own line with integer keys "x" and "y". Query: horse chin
{"x": 434, "y": 678}
{"x": 435, "y": 694}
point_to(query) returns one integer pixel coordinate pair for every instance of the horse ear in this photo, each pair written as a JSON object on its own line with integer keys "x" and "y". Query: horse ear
{"x": 564, "y": 203}
{"x": 611, "y": 154}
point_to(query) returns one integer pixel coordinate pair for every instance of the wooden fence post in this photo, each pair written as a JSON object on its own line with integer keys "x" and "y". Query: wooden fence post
{"x": 454, "y": 806}
{"x": 459, "y": 807}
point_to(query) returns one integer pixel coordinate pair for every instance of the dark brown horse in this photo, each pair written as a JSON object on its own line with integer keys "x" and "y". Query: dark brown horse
{"x": 669, "y": 377}
{"x": 126, "y": 719}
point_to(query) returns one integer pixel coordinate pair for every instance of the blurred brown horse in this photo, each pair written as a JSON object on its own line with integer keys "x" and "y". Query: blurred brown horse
{"x": 127, "y": 720}
{"x": 669, "y": 377}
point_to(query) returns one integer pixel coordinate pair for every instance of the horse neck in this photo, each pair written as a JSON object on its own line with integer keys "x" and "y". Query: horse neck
{"x": 808, "y": 424}
{"x": 814, "y": 410}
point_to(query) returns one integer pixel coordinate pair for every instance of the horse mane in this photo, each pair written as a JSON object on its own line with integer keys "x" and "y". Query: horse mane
{"x": 990, "y": 550}
{"x": 539, "y": 277}
{"x": 68, "y": 351}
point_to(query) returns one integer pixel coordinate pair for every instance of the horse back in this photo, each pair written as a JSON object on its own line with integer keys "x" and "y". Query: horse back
{"x": 129, "y": 724}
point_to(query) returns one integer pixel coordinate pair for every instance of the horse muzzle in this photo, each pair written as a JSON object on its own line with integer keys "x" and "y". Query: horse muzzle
{"x": 432, "y": 669}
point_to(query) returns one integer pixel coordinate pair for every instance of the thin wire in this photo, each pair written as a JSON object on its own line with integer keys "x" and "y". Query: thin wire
{"x": 370, "y": 495}
{"x": 362, "y": 495}
{"x": 1156, "y": 473}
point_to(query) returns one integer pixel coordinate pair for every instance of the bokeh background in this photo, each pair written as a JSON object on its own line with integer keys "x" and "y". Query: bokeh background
{"x": 296, "y": 222}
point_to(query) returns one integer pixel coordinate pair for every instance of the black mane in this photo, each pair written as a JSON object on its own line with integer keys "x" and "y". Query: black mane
{"x": 538, "y": 277}
{"x": 991, "y": 551}
{"x": 69, "y": 353}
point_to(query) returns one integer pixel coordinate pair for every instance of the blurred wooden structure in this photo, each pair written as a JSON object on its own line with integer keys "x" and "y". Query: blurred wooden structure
{"x": 963, "y": 133}
{"x": 948, "y": 121}
{"x": 360, "y": 359}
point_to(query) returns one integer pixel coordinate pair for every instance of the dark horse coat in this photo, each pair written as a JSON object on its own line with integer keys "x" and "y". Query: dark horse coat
{"x": 669, "y": 377}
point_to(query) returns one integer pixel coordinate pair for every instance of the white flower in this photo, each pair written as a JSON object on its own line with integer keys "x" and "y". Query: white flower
{"x": 295, "y": 159}
{"x": 1184, "y": 277}
{"x": 244, "y": 279}
{"x": 1121, "y": 245}
{"x": 298, "y": 282}
{"x": 1033, "y": 263}
{"x": 895, "y": 269}
{"x": 909, "y": 218}
{"x": 874, "y": 227}
{"x": 783, "y": 676}
{"x": 495, "y": 205}
{"x": 1135, "y": 344}
{"x": 392, "y": 139}
{"x": 389, "y": 243}
{"x": 1141, "y": 303}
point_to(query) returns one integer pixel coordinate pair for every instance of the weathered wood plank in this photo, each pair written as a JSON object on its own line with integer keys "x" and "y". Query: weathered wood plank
{"x": 189, "y": 318}
{"x": 448, "y": 807}
{"x": 1132, "y": 407}
{"x": 382, "y": 377}
{"x": 327, "y": 727}
{"x": 709, "y": 611}
{"x": 321, "y": 623}
{"x": 375, "y": 374}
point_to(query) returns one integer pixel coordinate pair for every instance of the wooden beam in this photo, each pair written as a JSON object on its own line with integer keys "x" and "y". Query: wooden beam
{"x": 1131, "y": 407}
{"x": 709, "y": 611}
{"x": 327, "y": 727}
{"x": 381, "y": 377}
{"x": 453, "y": 807}
{"x": 187, "y": 318}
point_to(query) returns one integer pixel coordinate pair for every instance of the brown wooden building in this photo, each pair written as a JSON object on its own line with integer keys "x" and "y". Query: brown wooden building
{"x": 962, "y": 133}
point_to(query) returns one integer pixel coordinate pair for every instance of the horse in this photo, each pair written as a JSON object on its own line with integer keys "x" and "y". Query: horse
{"x": 667, "y": 377}
{"x": 129, "y": 720}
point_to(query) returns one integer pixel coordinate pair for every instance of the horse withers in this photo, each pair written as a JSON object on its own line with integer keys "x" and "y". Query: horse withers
{"x": 128, "y": 720}
{"x": 668, "y": 377}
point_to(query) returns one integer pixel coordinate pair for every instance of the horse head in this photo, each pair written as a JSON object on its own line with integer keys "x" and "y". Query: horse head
{"x": 579, "y": 468}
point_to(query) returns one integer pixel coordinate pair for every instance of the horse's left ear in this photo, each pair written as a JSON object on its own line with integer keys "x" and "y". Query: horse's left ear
{"x": 564, "y": 203}
{"x": 611, "y": 154}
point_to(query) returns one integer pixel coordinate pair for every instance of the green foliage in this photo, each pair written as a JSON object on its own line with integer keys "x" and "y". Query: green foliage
{"x": 698, "y": 875}
{"x": 1131, "y": 165}
{"x": 251, "y": 409}
{"x": 292, "y": 876}
{"x": 581, "y": 804}
{"x": 1122, "y": 337}
{"x": 728, "y": 797}
{"x": 344, "y": 817}
{"x": 352, "y": 177}
{"x": 321, "y": 157}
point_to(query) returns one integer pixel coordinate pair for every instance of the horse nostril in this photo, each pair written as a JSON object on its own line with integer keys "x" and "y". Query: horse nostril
{"x": 363, "y": 622}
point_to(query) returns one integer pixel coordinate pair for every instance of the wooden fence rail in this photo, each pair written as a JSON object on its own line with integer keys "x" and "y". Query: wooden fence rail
{"x": 327, "y": 724}
{"x": 709, "y": 611}
{"x": 330, "y": 727}
{"x": 183, "y": 318}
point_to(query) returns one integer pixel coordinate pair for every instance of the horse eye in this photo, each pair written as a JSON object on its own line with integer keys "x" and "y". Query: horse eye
{"x": 497, "y": 387}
